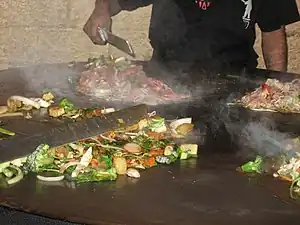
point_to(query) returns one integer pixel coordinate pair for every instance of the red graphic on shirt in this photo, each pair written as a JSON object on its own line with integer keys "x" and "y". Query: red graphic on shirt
{"x": 203, "y": 4}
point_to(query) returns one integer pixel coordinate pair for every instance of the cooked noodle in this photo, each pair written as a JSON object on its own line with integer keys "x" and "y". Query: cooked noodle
{"x": 275, "y": 95}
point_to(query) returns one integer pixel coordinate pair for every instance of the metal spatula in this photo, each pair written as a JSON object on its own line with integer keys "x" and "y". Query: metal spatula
{"x": 116, "y": 41}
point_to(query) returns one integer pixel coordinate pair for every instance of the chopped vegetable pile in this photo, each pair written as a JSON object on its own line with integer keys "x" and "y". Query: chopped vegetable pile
{"x": 121, "y": 152}
{"x": 286, "y": 166}
{"x": 19, "y": 106}
{"x": 66, "y": 109}
{"x": 23, "y": 106}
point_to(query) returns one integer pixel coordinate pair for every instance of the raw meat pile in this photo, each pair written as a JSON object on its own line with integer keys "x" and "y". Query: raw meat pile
{"x": 120, "y": 80}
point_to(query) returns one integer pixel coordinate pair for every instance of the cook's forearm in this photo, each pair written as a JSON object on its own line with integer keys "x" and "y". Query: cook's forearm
{"x": 130, "y": 5}
{"x": 112, "y": 6}
{"x": 274, "y": 48}
{"x": 116, "y": 6}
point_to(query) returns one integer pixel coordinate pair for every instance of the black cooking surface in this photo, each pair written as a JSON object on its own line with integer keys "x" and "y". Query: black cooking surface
{"x": 203, "y": 191}
{"x": 206, "y": 190}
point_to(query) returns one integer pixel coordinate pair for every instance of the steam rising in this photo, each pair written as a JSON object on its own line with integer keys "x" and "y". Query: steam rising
{"x": 61, "y": 81}
{"x": 265, "y": 142}
{"x": 56, "y": 79}
{"x": 254, "y": 133}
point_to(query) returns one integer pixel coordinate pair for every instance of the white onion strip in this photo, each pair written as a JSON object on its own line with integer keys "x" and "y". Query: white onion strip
{"x": 11, "y": 114}
{"x": 67, "y": 165}
{"x": 53, "y": 179}
{"x": 18, "y": 177}
{"x": 25, "y": 101}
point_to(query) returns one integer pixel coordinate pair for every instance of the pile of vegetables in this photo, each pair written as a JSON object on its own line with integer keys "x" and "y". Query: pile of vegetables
{"x": 285, "y": 167}
{"x": 121, "y": 152}
{"x": 66, "y": 109}
{"x": 5, "y": 133}
{"x": 17, "y": 105}
{"x": 22, "y": 106}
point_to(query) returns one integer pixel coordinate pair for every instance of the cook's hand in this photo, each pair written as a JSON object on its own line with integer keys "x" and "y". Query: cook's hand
{"x": 99, "y": 18}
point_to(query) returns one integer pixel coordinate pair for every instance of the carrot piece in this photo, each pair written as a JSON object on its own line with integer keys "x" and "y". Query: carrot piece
{"x": 94, "y": 163}
{"x": 156, "y": 136}
{"x": 149, "y": 162}
{"x": 285, "y": 178}
{"x": 111, "y": 134}
{"x": 156, "y": 152}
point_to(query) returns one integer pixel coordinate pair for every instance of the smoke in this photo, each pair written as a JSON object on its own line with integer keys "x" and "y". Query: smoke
{"x": 263, "y": 139}
{"x": 253, "y": 133}
{"x": 56, "y": 78}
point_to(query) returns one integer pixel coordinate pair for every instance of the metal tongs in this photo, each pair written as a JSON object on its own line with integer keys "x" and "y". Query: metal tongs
{"x": 116, "y": 41}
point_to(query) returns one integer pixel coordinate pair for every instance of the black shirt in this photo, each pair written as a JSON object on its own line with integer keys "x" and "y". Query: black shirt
{"x": 212, "y": 33}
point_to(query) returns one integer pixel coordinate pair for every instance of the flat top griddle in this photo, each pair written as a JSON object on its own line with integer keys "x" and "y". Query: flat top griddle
{"x": 206, "y": 190}
{"x": 188, "y": 193}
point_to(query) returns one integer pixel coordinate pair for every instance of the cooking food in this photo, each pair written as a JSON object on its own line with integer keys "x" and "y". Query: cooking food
{"x": 285, "y": 166}
{"x": 17, "y": 105}
{"x": 120, "y": 80}
{"x": 105, "y": 157}
{"x": 23, "y": 106}
{"x": 7, "y": 132}
{"x": 274, "y": 96}
{"x": 66, "y": 109}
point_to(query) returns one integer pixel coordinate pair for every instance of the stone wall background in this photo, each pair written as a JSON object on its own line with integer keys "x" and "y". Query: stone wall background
{"x": 33, "y": 31}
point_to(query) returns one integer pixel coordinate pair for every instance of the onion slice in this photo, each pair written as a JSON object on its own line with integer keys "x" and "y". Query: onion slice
{"x": 26, "y": 101}
{"x": 11, "y": 114}
{"x": 134, "y": 173}
{"x": 41, "y": 102}
{"x": 3, "y": 109}
{"x": 179, "y": 122}
{"x": 108, "y": 110}
{"x": 132, "y": 148}
{"x": 67, "y": 165}
{"x": 18, "y": 177}
{"x": 53, "y": 179}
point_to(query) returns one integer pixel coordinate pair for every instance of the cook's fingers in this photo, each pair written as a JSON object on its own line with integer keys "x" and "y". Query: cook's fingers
{"x": 102, "y": 33}
{"x": 96, "y": 38}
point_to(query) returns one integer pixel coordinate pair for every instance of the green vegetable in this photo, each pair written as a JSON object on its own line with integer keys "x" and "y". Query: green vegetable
{"x": 3, "y": 166}
{"x": 70, "y": 169}
{"x": 147, "y": 143}
{"x": 67, "y": 105}
{"x": 159, "y": 144}
{"x": 96, "y": 175}
{"x": 39, "y": 160}
{"x": 7, "y": 172}
{"x": 107, "y": 160}
{"x": 3, "y": 183}
{"x": 168, "y": 150}
{"x": 19, "y": 162}
{"x": 121, "y": 121}
{"x": 11, "y": 170}
{"x": 54, "y": 173}
{"x": 183, "y": 155}
{"x": 187, "y": 151}
{"x": 173, "y": 157}
{"x": 18, "y": 175}
{"x": 251, "y": 166}
{"x": 295, "y": 184}
{"x": 157, "y": 124}
{"x": 7, "y": 132}
{"x": 144, "y": 142}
